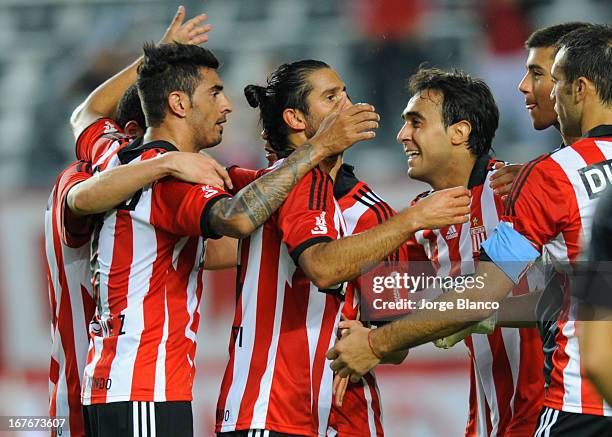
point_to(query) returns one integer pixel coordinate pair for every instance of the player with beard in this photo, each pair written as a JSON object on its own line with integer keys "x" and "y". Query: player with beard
{"x": 551, "y": 204}
{"x": 279, "y": 361}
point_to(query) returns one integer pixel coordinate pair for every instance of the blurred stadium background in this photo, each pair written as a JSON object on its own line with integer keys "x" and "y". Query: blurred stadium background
{"x": 54, "y": 52}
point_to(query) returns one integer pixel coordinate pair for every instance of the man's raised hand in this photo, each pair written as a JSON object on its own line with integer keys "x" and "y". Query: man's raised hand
{"x": 190, "y": 32}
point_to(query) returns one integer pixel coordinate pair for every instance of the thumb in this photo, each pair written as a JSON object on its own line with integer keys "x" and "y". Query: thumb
{"x": 340, "y": 104}
{"x": 178, "y": 18}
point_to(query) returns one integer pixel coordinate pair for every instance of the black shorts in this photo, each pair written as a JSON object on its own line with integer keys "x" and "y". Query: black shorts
{"x": 255, "y": 433}
{"x": 555, "y": 423}
{"x": 139, "y": 419}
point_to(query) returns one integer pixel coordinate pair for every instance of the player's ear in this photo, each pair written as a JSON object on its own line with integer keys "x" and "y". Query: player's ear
{"x": 460, "y": 132}
{"x": 581, "y": 87}
{"x": 294, "y": 118}
{"x": 133, "y": 129}
{"x": 178, "y": 102}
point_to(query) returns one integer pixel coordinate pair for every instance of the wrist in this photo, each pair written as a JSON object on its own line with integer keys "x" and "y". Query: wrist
{"x": 167, "y": 164}
{"x": 374, "y": 346}
{"x": 319, "y": 150}
{"x": 410, "y": 221}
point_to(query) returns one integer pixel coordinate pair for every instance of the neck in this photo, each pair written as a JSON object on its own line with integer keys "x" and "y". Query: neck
{"x": 172, "y": 134}
{"x": 568, "y": 141}
{"x": 332, "y": 166}
{"x": 456, "y": 173}
{"x": 592, "y": 119}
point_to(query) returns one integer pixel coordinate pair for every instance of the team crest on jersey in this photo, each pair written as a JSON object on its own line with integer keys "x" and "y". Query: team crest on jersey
{"x": 479, "y": 235}
{"x": 209, "y": 191}
{"x": 451, "y": 233}
{"x": 109, "y": 128}
{"x": 320, "y": 225}
{"x": 596, "y": 178}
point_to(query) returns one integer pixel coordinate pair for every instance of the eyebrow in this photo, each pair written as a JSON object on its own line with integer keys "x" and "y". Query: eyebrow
{"x": 216, "y": 88}
{"x": 535, "y": 67}
{"x": 413, "y": 114}
{"x": 333, "y": 90}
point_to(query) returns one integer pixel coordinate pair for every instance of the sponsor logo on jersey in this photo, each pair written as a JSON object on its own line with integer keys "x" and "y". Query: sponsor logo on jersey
{"x": 596, "y": 178}
{"x": 109, "y": 128}
{"x": 209, "y": 191}
{"x": 451, "y": 233}
{"x": 320, "y": 225}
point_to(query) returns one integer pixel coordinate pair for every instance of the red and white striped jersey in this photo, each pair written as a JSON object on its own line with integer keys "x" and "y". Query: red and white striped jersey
{"x": 69, "y": 274}
{"x": 506, "y": 381}
{"x": 283, "y": 324}
{"x": 362, "y": 209}
{"x": 71, "y": 298}
{"x": 552, "y": 205}
{"x": 148, "y": 255}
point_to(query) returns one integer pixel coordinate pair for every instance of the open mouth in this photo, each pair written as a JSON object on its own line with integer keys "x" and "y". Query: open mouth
{"x": 530, "y": 106}
{"x": 412, "y": 153}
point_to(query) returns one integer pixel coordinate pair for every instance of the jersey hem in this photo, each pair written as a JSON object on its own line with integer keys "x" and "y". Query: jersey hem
{"x": 577, "y": 409}
{"x": 95, "y": 400}
{"x": 269, "y": 426}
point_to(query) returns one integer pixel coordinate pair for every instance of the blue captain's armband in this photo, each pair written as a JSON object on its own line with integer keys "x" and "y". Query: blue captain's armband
{"x": 510, "y": 251}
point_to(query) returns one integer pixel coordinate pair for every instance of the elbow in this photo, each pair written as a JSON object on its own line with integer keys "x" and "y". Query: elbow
{"x": 76, "y": 116}
{"x": 77, "y": 202}
{"x": 321, "y": 277}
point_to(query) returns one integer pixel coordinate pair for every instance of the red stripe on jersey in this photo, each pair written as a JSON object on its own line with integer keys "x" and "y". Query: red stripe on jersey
{"x": 264, "y": 326}
{"x": 118, "y": 282}
{"x": 154, "y": 317}
{"x": 554, "y": 208}
{"x": 65, "y": 326}
{"x": 497, "y": 358}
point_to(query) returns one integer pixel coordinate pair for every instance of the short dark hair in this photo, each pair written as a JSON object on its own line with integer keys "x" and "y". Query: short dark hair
{"x": 465, "y": 98}
{"x": 130, "y": 108}
{"x": 588, "y": 53}
{"x": 167, "y": 68}
{"x": 287, "y": 87}
{"x": 550, "y": 36}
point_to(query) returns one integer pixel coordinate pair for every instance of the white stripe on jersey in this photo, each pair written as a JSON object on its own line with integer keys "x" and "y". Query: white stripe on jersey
{"x": 368, "y": 397}
{"x": 314, "y": 318}
{"x": 484, "y": 377}
{"x": 159, "y": 390}
{"x": 512, "y": 344}
{"x": 242, "y": 355}
{"x": 325, "y": 394}
{"x": 286, "y": 268}
{"x": 135, "y": 425}
{"x": 481, "y": 422}
{"x": 352, "y": 216}
{"x": 144, "y": 242}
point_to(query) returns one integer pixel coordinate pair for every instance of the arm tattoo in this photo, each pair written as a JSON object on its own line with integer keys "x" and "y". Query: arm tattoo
{"x": 258, "y": 200}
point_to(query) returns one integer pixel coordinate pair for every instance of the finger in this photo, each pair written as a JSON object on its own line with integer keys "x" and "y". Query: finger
{"x": 366, "y": 126}
{"x": 340, "y": 391}
{"x": 499, "y": 164}
{"x": 337, "y": 365}
{"x": 222, "y": 172}
{"x": 362, "y": 116}
{"x": 360, "y": 107}
{"x": 200, "y": 30}
{"x": 178, "y": 18}
{"x": 332, "y": 354}
{"x": 344, "y": 324}
{"x": 459, "y": 191}
{"x": 190, "y": 24}
{"x": 211, "y": 179}
{"x": 345, "y": 372}
{"x": 355, "y": 378}
{"x": 198, "y": 40}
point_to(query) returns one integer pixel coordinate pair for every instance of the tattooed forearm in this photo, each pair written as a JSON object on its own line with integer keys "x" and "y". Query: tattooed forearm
{"x": 255, "y": 203}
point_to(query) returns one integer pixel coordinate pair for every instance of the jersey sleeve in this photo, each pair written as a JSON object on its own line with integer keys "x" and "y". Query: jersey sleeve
{"x": 537, "y": 207}
{"x": 241, "y": 177}
{"x": 307, "y": 216}
{"x": 74, "y": 230}
{"x": 182, "y": 209}
{"x": 96, "y": 138}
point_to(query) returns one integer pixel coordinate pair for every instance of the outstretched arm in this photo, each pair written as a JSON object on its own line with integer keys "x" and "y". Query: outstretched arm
{"x": 109, "y": 188}
{"x": 253, "y": 205}
{"x": 102, "y": 102}
{"x": 328, "y": 264}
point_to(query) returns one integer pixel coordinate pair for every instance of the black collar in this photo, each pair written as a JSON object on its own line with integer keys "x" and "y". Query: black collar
{"x": 137, "y": 148}
{"x": 345, "y": 181}
{"x": 479, "y": 172}
{"x": 601, "y": 131}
